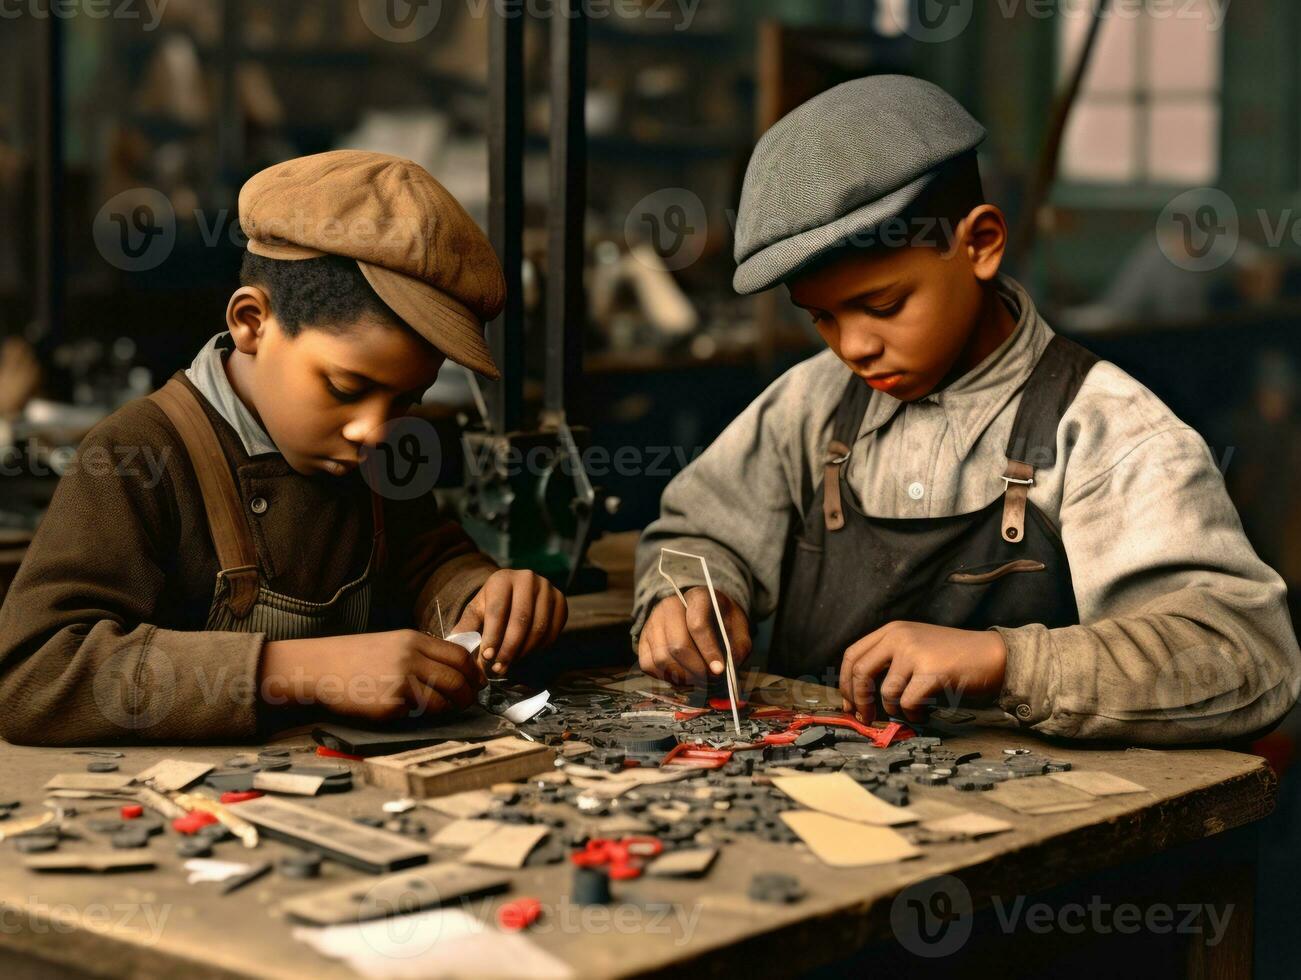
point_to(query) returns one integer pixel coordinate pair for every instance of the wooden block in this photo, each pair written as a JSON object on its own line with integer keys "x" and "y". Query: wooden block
{"x": 466, "y": 833}
{"x": 454, "y": 767}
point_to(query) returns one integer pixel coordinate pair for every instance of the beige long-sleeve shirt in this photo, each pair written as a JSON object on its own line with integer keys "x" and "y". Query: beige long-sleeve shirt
{"x": 1184, "y": 633}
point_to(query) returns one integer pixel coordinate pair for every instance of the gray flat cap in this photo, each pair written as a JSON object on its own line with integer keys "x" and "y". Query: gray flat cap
{"x": 837, "y": 166}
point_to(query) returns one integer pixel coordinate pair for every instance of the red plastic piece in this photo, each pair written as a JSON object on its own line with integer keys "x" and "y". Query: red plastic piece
{"x": 623, "y": 857}
{"x": 193, "y": 822}
{"x": 882, "y": 737}
{"x": 132, "y": 810}
{"x": 688, "y": 714}
{"x": 696, "y": 756}
{"x": 519, "y": 914}
{"x": 240, "y": 797}
{"x": 725, "y": 704}
{"x": 321, "y": 750}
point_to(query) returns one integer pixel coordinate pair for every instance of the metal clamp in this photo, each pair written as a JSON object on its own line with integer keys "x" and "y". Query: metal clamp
{"x": 1011, "y": 479}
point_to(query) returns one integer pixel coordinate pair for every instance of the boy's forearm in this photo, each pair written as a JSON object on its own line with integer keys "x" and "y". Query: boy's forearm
{"x": 1192, "y": 667}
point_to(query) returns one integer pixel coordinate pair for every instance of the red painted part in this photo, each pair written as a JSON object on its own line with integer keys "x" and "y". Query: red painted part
{"x": 132, "y": 810}
{"x": 193, "y": 821}
{"x": 688, "y": 714}
{"x": 519, "y": 914}
{"x": 622, "y": 857}
{"x": 696, "y": 756}
{"x": 234, "y": 797}
{"x": 724, "y": 704}
{"x": 321, "y": 750}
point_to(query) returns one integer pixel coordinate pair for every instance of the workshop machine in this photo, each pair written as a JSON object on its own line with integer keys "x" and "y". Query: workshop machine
{"x": 528, "y": 501}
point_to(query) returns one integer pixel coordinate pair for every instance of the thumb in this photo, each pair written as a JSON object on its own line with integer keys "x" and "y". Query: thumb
{"x": 471, "y": 620}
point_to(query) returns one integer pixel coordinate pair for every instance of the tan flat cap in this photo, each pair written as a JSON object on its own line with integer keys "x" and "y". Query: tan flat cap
{"x": 417, "y": 247}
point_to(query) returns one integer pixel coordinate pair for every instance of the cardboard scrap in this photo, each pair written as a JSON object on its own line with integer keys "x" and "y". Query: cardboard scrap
{"x": 1039, "y": 796}
{"x": 295, "y": 783}
{"x": 466, "y": 833}
{"x": 170, "y": 775}
{"x": 93, "y": 861}
{"x": 1097, "y": 783}
{"x": 471, "y": 803}
{"x": 89, "y": 781}
{"x": 836, "y": 794}
{"x": 848, "y": 843}
{"x": 965, "y": 825}
{"x": 683, "y": 864}
{"x": 508, "y": 847}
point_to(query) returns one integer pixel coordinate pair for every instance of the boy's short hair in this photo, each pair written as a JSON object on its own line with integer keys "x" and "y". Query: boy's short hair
{"x": 326, "y": 293}
{"x": 929, "y": 221}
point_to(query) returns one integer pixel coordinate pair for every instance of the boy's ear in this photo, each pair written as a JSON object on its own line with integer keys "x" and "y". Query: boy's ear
{"x": 983, "y": 234}
{"x": 247, "y": 314}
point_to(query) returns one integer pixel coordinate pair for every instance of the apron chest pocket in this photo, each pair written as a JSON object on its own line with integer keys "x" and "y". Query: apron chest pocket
{"x": 982, "y": 574}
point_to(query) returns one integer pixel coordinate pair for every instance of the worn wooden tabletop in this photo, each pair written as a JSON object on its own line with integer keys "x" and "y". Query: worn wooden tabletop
{"x": 153, "y": 923}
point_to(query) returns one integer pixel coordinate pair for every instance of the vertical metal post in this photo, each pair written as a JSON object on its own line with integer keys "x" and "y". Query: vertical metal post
{"x": 230, "y": 119}
{"x": 566, "y": 309}
{"x": 51, "y": 243}
{"x": 506, "y": 210}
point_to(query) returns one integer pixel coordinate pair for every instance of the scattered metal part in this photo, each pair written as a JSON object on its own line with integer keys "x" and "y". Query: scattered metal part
{"x": 101, "y": 765}
{"x": 249, "y": 876}
{"x": 304, "y": 864}
{"x": 777, "y": 889}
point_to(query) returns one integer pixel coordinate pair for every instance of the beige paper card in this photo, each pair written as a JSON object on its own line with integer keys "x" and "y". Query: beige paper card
{"x": 466, "y": 833}
{"x": 1098, "y": 783}
{"x": 509, "y": 847}
{"x": 967, "y": 825}
{"x": 847, "y": 843}
{"x": 837, "y": 794}
{"x": 89, "y": 780}
{"x": 1039, "y": 796}
{"x": 288, "y": 782}
{"x": 173, "y": 774}
{"x": 683, "y": 864}
{"x": 471, "y": 803}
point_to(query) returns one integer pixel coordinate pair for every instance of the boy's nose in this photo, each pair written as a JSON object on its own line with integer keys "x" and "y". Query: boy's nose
{"x": 860, "y": 345}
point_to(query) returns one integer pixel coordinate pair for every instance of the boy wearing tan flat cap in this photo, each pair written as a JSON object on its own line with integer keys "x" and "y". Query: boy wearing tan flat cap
{"x": 262, "y": 570}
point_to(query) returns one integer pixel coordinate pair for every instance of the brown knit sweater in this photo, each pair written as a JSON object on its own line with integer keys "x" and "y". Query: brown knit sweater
{"x": 102, "y": 633}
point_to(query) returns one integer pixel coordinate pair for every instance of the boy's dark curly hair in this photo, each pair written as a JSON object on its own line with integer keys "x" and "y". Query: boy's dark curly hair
{"x": 327, "y": 293}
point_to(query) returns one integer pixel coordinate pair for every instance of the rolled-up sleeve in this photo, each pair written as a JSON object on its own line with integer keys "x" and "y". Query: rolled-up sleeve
{"x": 1185, "y": 634}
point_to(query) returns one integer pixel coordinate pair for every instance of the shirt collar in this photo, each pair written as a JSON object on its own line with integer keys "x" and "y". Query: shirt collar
{"x": 208, "y": 374}
{"x": 973, "y": 401}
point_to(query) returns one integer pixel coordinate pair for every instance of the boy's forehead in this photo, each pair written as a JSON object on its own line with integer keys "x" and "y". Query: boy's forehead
{"x": 392, "y": 356}
{"x": 856, "y": 273}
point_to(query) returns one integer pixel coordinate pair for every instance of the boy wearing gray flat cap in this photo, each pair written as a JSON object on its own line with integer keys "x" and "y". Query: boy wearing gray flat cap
{"x": 952, "y": 503}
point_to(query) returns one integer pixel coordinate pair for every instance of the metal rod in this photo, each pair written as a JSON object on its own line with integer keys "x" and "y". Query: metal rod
{"x": 566, "y": 308}
{"x": 504, "y": 398}
{"x": 51, "y": 252}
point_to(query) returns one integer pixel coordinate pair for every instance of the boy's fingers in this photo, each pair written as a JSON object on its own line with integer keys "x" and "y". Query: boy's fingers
{"x": 680, "y": 645}
{"x": 700, "y": 621}
{"x": 862, "y": 686}
{"x": 541, "y": 625}
{"x": 471, "y": 620}
{"x": 451, "y": 655}
{"x": 559, "y": 615}
{"x": 446, "y": 681}
{"x": 917, "y": 697}
{"x": 496, "y": 593}
{"x": 892, "y": 687}
{"x": 517, "y": 624}
{"x": 738, "y": 630}
{"x": 424, "y": 698}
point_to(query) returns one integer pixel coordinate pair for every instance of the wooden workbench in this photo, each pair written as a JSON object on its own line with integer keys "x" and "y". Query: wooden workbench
{"x": 155, "y": 924}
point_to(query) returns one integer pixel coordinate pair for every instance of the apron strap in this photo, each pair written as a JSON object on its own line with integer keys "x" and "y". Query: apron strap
{"x": 848, "y": 420}
{"x": 1048, "y": 392}
{"x": 236, "y": 556}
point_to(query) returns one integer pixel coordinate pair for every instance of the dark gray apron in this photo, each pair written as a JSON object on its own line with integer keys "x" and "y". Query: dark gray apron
{"x": 847, "y": 574}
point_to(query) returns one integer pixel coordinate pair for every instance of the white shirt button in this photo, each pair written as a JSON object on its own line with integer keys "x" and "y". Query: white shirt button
{"x": 916, "y": 491}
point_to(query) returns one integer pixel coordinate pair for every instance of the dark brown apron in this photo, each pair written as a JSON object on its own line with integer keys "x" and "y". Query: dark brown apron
{"x": 241, "y": 600}
{"x": 847, "y": 574}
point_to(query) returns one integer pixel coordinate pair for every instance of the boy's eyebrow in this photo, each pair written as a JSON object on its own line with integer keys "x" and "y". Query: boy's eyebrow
{"x": 875, "y": 290}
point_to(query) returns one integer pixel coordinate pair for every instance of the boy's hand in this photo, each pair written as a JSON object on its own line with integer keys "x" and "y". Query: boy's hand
{"x": 680, "y": 644}
{"x": 376, "y": 676}
{"x": 910, "y": 663}
{"x": 517, "y": 612}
